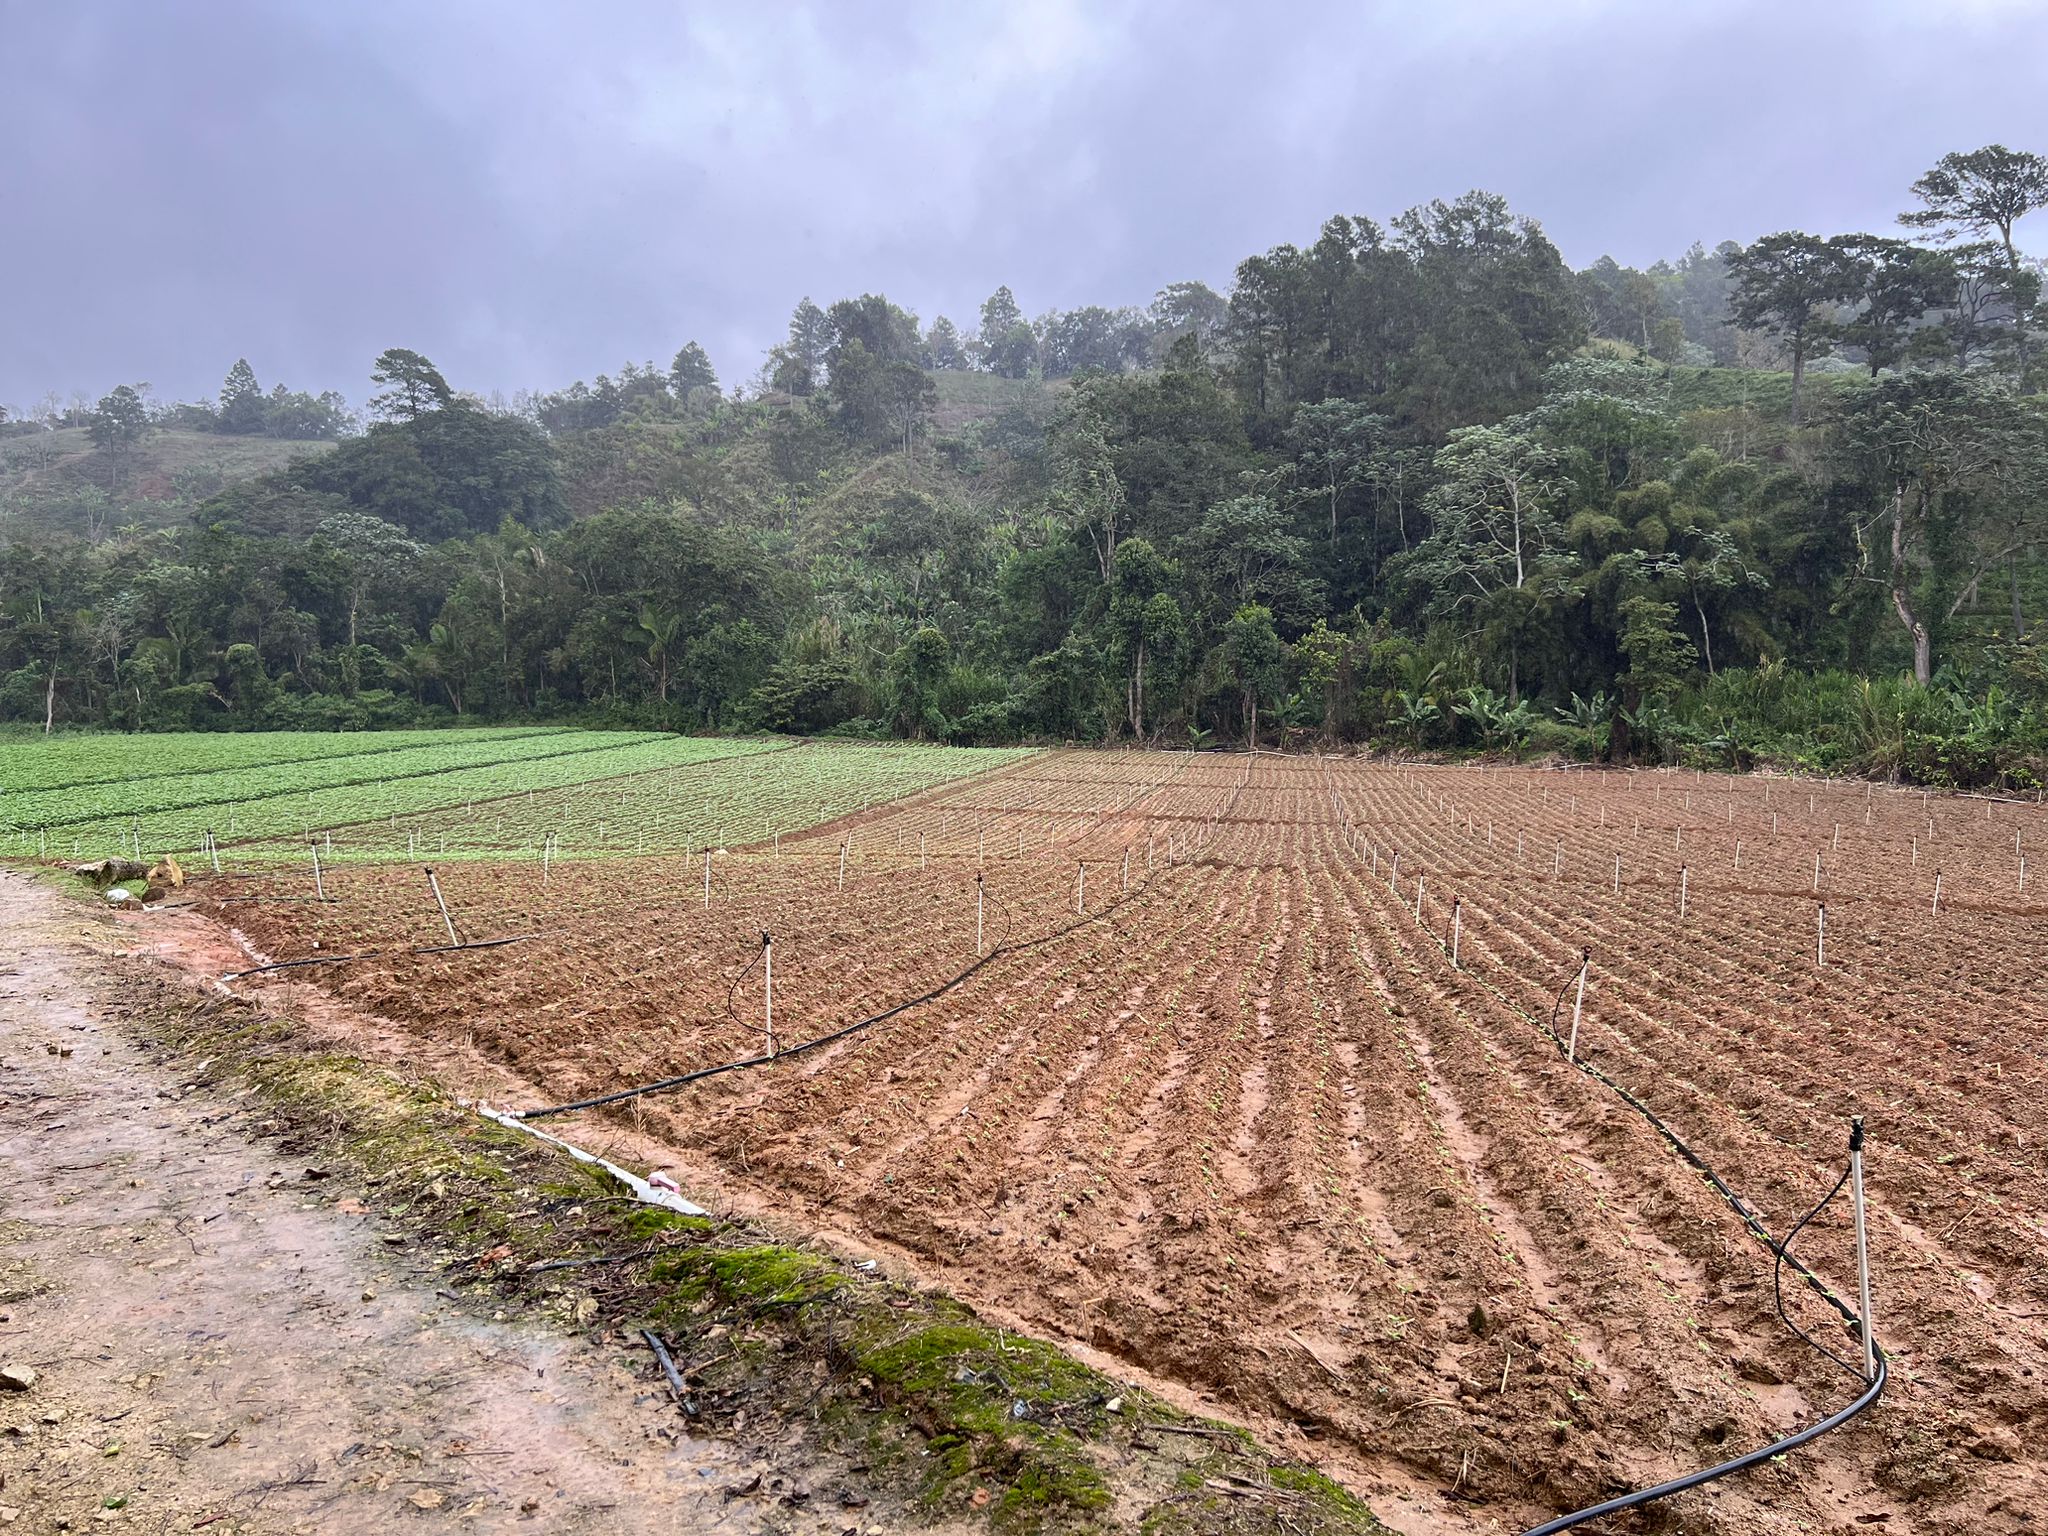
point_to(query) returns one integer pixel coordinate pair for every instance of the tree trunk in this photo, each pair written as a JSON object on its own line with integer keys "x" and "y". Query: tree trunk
{"x": 2019, "y": 617}
{"x": 50, "y": 700}
{"x": 1138, "y": 694}
{"x": 1902, "y": 602}
{"x": 1706, "y": 639}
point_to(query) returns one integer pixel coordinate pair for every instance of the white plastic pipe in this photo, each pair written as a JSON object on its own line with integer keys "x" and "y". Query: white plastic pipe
{"x": 1571, "y": 1051}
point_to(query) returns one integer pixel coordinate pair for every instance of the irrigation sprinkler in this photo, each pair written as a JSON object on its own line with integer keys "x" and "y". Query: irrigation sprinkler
{"x": 1418, "y": 900}
{"x": 441, "y": 902}
{"x": 1127, "y": 869}
{"x": 1738, "y": 855}
{"x": 547, "y": 850}
{"x": 410, "y": 838}
{"x": 319, "y": 886}
{"x": 1080, "y": 885}
{"x": 2023, "y": 874}
{"x": 1816, "y": 871}
{"x": 1557, "y": 860}
{"x": 778, "y": 845}
{"x": 980, "y": 896}
{"x": 1684, "y": 881}
{"x": 1856, "y": 1206}
{"x": 768, "y": 986}
{"x": 1394, "y": 871}
{"x": 1678, "y": 836}
{"x": 1820, "y": 935}
{"x": 1774, "y": 823}
{"x": 1457, "y": 928}
{"x": 922, "y": 861}
{"x": 1935, "y": 910}
{"x": 1916, "y": 850}
{"x": 213, "y": 848}
{"x": 1838, "y": 838}
{"x": 1571, "y": 1050}
{"x": 842, "y": 862}
{"x": 1617, "y": 874}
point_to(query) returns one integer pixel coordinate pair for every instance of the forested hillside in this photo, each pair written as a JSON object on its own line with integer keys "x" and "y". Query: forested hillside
{"x": 1416, "y": 484}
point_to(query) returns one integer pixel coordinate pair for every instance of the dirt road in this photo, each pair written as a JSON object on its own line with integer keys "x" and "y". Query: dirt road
{"x": 219, "y": 1344}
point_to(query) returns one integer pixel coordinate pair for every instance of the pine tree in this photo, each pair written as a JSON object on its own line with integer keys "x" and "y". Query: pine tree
{"x": 241, "y": 401}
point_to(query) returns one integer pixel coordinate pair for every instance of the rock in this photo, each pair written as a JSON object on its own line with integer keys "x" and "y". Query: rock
{"x": 1758, "y": 1370}
{"x": 16, "y": 1378}
{"x": 1996, "y": 1444}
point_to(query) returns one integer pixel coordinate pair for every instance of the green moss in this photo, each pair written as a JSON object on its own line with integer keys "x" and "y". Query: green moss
{"x": 1306, "y": 1480}
{"x": 648, "y": 1221}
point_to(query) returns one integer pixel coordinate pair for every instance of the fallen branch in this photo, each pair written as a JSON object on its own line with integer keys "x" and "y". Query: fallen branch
{"x": 668, "y": 1365}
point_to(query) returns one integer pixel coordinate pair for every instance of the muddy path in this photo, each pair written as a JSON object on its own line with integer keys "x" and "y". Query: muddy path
{"x": 218, "y": 1343}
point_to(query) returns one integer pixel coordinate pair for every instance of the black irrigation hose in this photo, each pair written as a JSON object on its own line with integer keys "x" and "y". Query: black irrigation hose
{"x": 375, "y": 954}
{"x": 1754, "y": 1458}
{"x": 1781, "y": 1254}
{"x": 663, "y": 1084}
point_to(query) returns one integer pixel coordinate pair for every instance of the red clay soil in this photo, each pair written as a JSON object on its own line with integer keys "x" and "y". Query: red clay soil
{"x": 1240, "y": 1123}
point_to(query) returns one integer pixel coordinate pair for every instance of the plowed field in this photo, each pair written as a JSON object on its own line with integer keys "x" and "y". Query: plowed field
{"x": 1221, "y": 1106}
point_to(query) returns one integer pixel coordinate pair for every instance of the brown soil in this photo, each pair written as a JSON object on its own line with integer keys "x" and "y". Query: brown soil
{"x": 1239, "y": 1124}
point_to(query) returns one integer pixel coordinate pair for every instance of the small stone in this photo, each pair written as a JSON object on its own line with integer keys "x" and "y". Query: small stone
{"x": 9, "y": 1514}
{"x": 16, "y": 1378}
{"x": 369, "y": 1295}
{"x": 54, "y": 1416}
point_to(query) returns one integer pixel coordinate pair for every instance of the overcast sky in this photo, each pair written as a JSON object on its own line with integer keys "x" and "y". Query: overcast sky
{"x": 531, "y": 193}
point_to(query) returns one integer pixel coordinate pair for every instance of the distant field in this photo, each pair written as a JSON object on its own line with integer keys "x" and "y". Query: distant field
{"x": 970, "y": 397}
{"x": 457, "y": 794}
{"x": 45, "y": 477}
{"x": 69, "y": 761}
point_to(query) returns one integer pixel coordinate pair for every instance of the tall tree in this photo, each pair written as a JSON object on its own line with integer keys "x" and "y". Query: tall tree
{"x": 1791, "y": 284}
{"x": 942, "y": 346}
{"x": 1961, "y": 468}
{"x": 241, "y": 400}
{"x": 1086, "y": 486}
{"x": 1495, "y": 509}
{"x": 1007, "y": 345}
{"x": 1983, "y": 193}
{"x": 1899, "y": 287}
{"x": 1333, "y": 443}
{"x": 1253, "y": 658}
{"x": 412, "y": 385}
{"x": 691, "y": 370}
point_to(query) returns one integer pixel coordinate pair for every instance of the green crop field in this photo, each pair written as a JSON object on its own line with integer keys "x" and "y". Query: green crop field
{"x": 477, "y": 794}
{"x": 724, "y": 802}
{"x": 65, "y": 762}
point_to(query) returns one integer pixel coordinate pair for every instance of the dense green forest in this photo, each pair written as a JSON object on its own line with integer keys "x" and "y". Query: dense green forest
{"x": 1415, "y": 484}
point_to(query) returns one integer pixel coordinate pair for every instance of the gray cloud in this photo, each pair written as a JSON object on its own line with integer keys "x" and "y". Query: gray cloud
{"x": 530, "y": 193}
